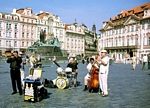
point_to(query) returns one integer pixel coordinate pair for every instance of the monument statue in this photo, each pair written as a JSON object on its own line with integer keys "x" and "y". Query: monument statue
{"x": 42, "y": 35}
{"x": 46, "y": 48}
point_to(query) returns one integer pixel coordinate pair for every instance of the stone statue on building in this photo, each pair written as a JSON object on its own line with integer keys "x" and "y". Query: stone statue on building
{"x": 42, "y": 36}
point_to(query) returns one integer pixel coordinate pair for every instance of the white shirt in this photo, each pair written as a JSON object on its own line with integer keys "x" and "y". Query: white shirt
{"x": 89, "y": 66}
{"x": 104, "y": 69}
{"x": 145, "y": 58}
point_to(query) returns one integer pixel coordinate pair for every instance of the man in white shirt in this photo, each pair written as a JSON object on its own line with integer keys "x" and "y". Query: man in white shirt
{"x": 87, "y": 77}
{"x": 103, "y": 73}
{"x": 145, "y": 60}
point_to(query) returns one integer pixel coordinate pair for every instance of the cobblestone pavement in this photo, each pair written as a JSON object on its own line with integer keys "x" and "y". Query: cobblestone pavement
{"x": 128, "y": 89}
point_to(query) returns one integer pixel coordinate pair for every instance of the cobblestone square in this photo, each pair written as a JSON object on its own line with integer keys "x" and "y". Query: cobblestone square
{"x": 128, "y": 89}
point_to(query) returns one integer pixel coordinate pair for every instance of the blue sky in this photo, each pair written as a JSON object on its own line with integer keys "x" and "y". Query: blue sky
{"x": 88, "y": 12}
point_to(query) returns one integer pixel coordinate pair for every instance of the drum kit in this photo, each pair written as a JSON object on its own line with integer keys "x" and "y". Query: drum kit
{"x": 64, "y": 78}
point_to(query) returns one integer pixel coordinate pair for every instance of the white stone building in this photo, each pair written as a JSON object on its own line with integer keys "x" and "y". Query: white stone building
{"x": 9, "y": 32}
{"x": 128, "y": 33}
{"x": 27, "y": 27}
{"x": 74, "y": 39}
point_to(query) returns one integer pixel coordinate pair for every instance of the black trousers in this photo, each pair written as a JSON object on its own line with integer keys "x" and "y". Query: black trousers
{"x": 16, "y": 78}
{"x": 148, "y": 65}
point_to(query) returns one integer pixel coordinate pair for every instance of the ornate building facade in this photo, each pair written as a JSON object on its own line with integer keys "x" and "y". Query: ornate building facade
{"x": 128, "y": 33}
{"x": 21, "y": 28}
{"x": 74, "y": 39}
{"x": 9, "y": 32}
{"x": 27, "y": 28}
{"x": 90, "y": 47}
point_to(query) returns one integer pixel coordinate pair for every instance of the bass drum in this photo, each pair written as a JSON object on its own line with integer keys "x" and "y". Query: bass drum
{"x": 62, "y": 82}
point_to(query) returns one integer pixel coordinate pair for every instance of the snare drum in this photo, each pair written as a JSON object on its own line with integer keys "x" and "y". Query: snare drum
{"x": 62, "y": 82}
{"x": 60, "y": 72}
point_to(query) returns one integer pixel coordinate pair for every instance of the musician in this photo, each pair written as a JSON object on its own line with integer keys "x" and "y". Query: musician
{"x": 103, "y": 73}
{"x": 87, "y": 77}
{"x": 15, "y": 65}
{"x": 73, "y": 65}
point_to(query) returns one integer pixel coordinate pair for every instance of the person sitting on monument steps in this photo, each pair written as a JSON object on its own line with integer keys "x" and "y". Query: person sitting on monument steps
{"x": 74, "y": 68}
{"x": 38, "y": 61}
{"x": 32, "y": 60}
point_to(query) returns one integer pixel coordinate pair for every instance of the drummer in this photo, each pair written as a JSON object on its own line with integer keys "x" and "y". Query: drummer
{"x": 72, "y": 64}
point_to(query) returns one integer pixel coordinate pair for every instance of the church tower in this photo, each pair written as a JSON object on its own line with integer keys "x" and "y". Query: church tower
{"x": 94, "y": 28}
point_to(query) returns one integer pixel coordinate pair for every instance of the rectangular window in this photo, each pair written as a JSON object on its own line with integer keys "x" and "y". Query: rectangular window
{"x": 128, "y": 28}
{"x": 9, "y": 26}
{"x": 120, "y": 31}
{"x": 0, "y": 24}
{"x": 9, "y": 34}
{"x": 122, "y": 42}
{"x": 6, "y": 43}
{"x": 148, "y": 26}
{"x": 127, "y": 42}
{"x": 27, "y": 35}
{"x": 15, "y": 26}
{"x": 137, "y": 27}
{"x": 15, "y": 43}
{"x": 116, "y": 42}
{"x": 0, "y": 34}
{"x": 132, "y": 28}
{"x": 16, "y": 18}
{"x": 22, "y": 26}
{"x": 148, "y": 40}
{"x": 119, "y": 42}
{"x": 27, "y": 44}
{"x": 22, "y": 44}
{"x": 61, "y": 32}
{"x": 15, "y": 35}
{"x": 23, "y": 34}
{"x": 136, "y": 41}
{"x": 9, "y": 43}
{"x": 0, "y": 43}
{"x": 143, "y": 26}
{"x": 32, "y": 35}
{"x": 116, "y": 31}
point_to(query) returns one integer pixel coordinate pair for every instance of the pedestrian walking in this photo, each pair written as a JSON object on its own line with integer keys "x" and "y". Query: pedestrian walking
{"x": 15, "y": 65}
{"x": 23, "y": 62}
{"x": 145, "y": 60}
{"x": 149, "y": 61}
{"x": 39, "y": 61}
{"x": 134, "y": 59}
{"x": 103, "y": 73}
{"x": 32, "y": 61}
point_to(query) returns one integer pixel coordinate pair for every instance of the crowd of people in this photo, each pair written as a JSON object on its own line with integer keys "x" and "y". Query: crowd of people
{"x": 99, "y": 63}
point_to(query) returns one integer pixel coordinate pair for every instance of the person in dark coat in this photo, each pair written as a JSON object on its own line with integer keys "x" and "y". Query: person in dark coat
{"x": 15, "y": 64}
{"x": 148, "y": 61}
{"x": 73, "y": 65}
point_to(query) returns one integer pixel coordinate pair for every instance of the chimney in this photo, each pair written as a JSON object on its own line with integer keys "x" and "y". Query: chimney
{"x": 14, "y": 10}
{"x": 104, "y": 24}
